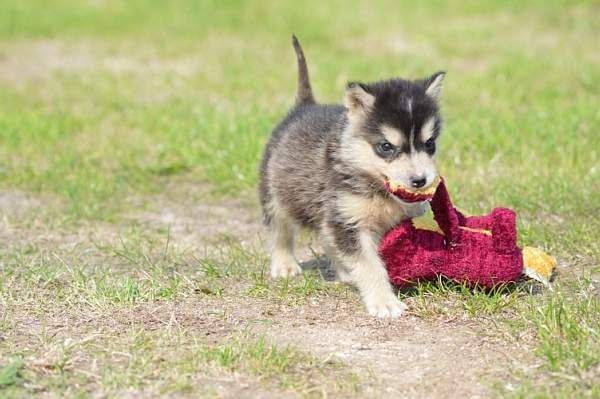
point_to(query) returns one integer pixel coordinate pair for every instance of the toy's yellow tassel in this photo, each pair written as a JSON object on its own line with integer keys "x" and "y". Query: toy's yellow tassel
{"x": 538, "y": 265}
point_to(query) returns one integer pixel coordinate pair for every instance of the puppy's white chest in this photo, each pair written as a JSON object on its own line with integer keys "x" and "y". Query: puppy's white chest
{"x": 377, "y": 214}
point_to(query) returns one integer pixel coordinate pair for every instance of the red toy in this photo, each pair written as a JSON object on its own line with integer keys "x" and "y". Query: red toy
{"x": 477, "y": 250}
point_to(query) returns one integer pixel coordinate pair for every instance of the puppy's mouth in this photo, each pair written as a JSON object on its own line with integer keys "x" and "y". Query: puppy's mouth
{"x": 407, "y": 194}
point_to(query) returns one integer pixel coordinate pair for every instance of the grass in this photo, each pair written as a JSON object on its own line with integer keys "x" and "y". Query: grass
{"x": 112, "y": 134}
{"x": 444, "y": 298}
{"x": 292, "y": 368}
{"x": 137, "y": 359}
{"x": 567, "y": 328}
{"x": 108, "y": 105}
{"x": 10, "y": 374}
{"x": 133, "y": 279}
{"x": 568, "y": 319}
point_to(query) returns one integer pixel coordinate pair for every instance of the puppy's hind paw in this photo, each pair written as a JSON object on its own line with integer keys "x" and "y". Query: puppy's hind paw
{"x": 389, "y": 307}
{"x": 283, "y": 270}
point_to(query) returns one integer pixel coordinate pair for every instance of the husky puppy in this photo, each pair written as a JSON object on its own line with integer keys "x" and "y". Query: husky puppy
{"x": 325, "y": 168}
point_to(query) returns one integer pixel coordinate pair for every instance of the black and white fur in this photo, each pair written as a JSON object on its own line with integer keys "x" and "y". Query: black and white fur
{"x": 325, "y": 168}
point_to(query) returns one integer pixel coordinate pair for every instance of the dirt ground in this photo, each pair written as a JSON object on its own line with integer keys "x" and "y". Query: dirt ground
{"x": 450, "y": 356}
{"x": 410, "y": 357}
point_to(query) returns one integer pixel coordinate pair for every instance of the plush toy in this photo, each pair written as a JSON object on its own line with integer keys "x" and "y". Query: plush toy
{"x": 477, "y": 250}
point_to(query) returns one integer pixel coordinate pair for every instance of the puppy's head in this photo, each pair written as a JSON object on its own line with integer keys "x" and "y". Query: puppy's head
{"x": 392, "y": 130}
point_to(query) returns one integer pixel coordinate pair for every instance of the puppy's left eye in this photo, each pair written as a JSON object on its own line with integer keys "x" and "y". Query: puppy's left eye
{"x": 430, "y": 145}
{"x": 385, "y": 149}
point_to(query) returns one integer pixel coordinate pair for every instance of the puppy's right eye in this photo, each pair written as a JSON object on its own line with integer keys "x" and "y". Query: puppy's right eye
{"x": 385, "y": 149}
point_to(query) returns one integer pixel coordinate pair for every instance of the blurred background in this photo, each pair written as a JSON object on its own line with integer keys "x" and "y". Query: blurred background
{"x": 103, "y": 99}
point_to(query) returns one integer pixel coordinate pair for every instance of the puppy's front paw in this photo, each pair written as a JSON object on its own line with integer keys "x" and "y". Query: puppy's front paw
{"x": 285, "y": 269}
{"x": 386, "y": 306}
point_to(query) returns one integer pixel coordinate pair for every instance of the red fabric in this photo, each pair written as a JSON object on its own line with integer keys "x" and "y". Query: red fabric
{"x": 461, "y": 255}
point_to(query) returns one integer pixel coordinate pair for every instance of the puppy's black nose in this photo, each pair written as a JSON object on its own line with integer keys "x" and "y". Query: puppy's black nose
{"x": 418, "y": 181}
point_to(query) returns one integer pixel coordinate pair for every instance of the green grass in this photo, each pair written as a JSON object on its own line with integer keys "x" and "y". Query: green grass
{"x": 104, "y": 104}
{"x": 118, "y": 115}
{"x": 565, "y": 324}
{"x": 444, "y": 298}
{"x": 123, "y": 275}
{"x": 10, "y": 374}
{"x": 137, "y": 359}
{"x": 569, "y": 319}
{"x": 119, "y": 289}
{"x": 285, "y": 364}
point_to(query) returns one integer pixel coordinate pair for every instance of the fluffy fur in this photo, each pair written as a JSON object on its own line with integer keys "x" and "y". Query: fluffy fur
{"x": 325, "y": 168}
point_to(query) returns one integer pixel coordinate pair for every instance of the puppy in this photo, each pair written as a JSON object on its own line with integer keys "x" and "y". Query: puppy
{"x": 325, "y": 167}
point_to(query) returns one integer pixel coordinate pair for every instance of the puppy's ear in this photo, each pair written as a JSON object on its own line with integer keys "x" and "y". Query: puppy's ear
{"x": 433, "y": 85}
{"x": 357, "y": 99}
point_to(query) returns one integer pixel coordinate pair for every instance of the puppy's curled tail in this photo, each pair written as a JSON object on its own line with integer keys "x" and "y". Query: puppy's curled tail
{"x": 304, "y": 94}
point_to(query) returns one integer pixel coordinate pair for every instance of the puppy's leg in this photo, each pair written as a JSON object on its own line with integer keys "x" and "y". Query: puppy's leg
{"x": 281, "y": 237}
{"x": 358, "y": 253}
{"x": 371, "y": 278}
{"x": 341, "y": 272}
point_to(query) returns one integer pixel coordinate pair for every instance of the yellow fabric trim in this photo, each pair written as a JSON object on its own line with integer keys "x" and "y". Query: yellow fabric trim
{"x": 425, "y": 223}
{"x": 480, "y": 231}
